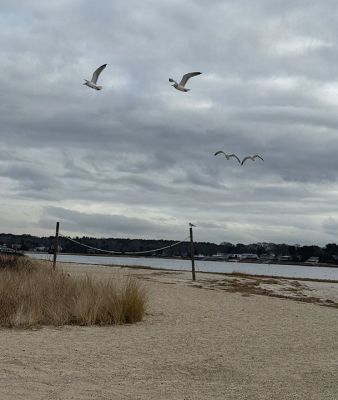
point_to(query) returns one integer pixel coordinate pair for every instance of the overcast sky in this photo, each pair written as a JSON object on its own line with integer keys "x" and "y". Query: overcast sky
{"x": 136, "y": 159}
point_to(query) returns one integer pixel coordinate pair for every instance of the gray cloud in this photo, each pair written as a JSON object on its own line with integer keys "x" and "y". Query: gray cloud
{"x": 107, "y": 225}
{"x": 139, "y": 150}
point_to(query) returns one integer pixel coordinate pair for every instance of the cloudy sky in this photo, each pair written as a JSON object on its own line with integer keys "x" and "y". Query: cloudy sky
{"x": 136, "y": 159}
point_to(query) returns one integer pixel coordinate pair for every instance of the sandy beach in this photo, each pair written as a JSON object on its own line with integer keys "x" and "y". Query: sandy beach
{"x": 209, "y": 340}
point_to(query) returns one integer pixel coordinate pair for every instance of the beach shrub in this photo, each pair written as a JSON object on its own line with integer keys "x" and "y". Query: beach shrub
{"x": 36, "y": 296}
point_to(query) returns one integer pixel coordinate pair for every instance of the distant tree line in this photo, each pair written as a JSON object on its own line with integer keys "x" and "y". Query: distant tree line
{"x": 326, "y": 254}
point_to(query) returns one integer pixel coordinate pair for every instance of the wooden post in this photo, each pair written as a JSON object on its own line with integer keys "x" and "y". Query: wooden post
{"x": 56, "y": 244}
{"x": 192, "y": 255}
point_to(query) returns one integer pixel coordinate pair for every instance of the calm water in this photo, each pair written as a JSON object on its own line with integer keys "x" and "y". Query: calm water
{"x": 291, "y": 271}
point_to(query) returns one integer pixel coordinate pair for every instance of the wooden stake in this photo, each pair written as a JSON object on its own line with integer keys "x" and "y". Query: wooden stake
{"x": 56, "y": 244}
{"x": 192, "y": 255}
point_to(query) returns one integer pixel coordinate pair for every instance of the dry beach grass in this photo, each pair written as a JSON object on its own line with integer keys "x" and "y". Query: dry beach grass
{"x": 197, "y": 341}
{"x": 32, "y": 294}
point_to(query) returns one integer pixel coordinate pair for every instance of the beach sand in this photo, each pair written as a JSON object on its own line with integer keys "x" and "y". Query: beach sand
{"x": 197, "y": 341}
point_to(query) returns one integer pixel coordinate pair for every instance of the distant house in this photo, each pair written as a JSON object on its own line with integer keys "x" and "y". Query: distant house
{"x": 51, "y": 249}
{"x": 5, "y": 249}
{"x": 312, "y": 260}
{"x": 284, "y": 258}
{"x": 41, "y": 249}
{"x": 220, "y": 254}
{"x": 248, "y": 256}
{"x": 268, "y": 256}
{"x": 243, "y": 256}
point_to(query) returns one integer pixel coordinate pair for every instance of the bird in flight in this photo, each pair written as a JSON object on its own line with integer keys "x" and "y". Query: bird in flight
{"x": 251, "y": 158}
{"x": 227, "y": 156}
{"x": 181, "y": 86}
{"x": 92, "y": 83}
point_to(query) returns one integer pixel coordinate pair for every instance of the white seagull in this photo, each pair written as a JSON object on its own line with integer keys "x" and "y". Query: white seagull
{"x": 181, "y": 86}
{"x": 228, "y": 156}
{"x": 251, "y": 158}
{"x": 92, "y": 83}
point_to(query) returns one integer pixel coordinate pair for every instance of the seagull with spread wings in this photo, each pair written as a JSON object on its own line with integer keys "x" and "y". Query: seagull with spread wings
{"x": 227, "y": 156}
{"x": 92, "y": 83}
{"x": 251, "y": 158}
{"x": 181, "y": 86}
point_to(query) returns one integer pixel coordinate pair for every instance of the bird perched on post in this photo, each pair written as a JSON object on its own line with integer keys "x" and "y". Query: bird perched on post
{"x": 191, "y": 225}
{"x": 227, "y": 156}
{"x": 181, "y": 86}
{"x": 92, "y": 83}
{"x": 251, "y": 158}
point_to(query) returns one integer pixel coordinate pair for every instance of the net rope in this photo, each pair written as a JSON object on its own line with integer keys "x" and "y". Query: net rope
{"x": 123, "y": 252}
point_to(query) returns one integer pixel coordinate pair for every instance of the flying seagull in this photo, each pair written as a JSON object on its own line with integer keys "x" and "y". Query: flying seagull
{"x": 228, "y": 156}
{"x": 181, "y": 86}
{"x": 92, "y": 83}
{"x": 251, "y": 158}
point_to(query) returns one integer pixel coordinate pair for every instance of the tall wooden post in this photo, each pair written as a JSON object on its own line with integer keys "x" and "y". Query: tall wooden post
{"x": 192, "y": 255}
{"x": 56, "y": 244}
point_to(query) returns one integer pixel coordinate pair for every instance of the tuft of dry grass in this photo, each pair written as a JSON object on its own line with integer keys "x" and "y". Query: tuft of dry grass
{"x": 12, "y": 261}
{"x": 36, "y": 295}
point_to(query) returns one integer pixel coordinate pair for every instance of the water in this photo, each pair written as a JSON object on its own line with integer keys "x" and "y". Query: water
{"x": 290, "y": 271}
